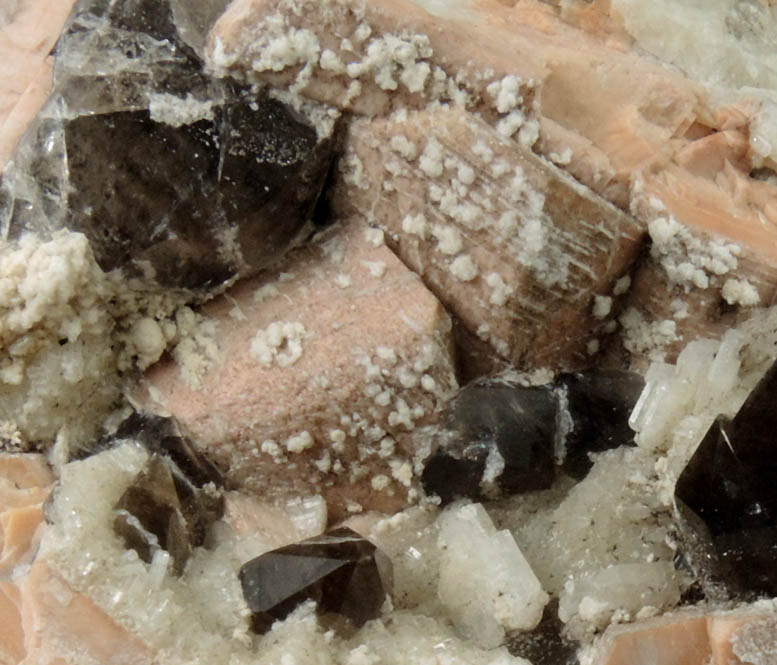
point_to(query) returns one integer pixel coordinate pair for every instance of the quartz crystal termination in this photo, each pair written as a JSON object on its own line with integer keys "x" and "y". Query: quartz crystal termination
{"x": 163, "y": 510}
{"x": 165, "y": 436}
{"x": 498, "y": 436}
{"x": 179, "y": 178}
{"x": 726, "y": 500}
{"x": 339, "y": 570}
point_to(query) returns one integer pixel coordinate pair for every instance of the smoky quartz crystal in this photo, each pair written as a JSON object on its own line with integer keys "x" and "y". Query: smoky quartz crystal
{"x": 500, "y": 436}
{"x": 339, "y": 570}
{"x": 726, "y": 499}
{"x": 162, "y": 509}
{"x": 177, "y": 178}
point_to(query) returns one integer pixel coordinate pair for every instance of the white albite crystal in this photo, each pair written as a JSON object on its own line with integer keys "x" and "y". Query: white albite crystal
{"x": 573, "y": 532}
{"x": 624, "y": 588}
{"x": 486, "y": 585}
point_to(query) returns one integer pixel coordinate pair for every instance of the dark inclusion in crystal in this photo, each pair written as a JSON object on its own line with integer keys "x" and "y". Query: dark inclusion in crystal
{"x": 546, "y": 644}
{"x": 339, "y": 570}
{"x": 532, "y": 430}
{"x": 191, "y": 201}
{"x": 171, "y": 503}
{"x": 726, "y": 499}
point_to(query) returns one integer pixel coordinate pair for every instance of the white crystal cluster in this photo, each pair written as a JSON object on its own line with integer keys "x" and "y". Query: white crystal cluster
{"x": 57, "y": 368}
{"x": 486, "y": 585}
{"x": 710, "y": 377}
{"x": 201, "y": 617}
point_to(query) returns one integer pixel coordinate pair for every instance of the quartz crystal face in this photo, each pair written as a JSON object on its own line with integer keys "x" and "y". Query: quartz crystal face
{"x": 161, "y": 509}
{"x": 726, "y": 499}
{"x": 511, "y": 438}
{"x": 164, "y": 436}
{"x": 341, "y": 571}
{"x": 175, "y": 177}
{"x": 595, "y": 408}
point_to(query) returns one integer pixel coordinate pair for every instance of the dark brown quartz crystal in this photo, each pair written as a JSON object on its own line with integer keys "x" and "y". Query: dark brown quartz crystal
{"x": 339, "y": 570}
{"x": 498, "y": 435}
{"x": 594, "y": 410}
{"x": 164, "y": 436}
{"x": 179, "y": 179}
{"x": 726, "y": 500}
{"x": 161, "y": 509}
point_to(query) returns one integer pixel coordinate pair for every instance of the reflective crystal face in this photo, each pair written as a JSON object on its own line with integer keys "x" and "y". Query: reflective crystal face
{"x": 161, "y": 509}
{"x": 726, "y": 498}
{"x": 173, "y": 176}
{"x": 516, "y": 437}
{"x": 341, "y": 571}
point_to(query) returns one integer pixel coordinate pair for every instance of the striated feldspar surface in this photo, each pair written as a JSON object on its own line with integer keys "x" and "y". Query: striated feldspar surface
{"x": 175, "y": 176}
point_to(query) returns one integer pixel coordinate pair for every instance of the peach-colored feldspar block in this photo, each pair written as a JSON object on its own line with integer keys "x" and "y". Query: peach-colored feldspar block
{"x": 28, "y": 31}
{"x": 621, "y": 123}
{"x": 691, "y": 638}
{"x": 25, "y": 483}
{"x": 669, "y": 640}
{"x": 726, "y": 629}
{"x": 514, "y": 247}
{"x": 323, "y": 373}
{"x": 11, "y": 634}
{"x": 61, "y": 626}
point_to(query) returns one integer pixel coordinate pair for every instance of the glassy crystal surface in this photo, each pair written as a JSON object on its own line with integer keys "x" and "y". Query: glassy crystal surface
{"x": 501, "y": 435}
{"x": 175, "y": 177}
{"x": 161, "y": 509}
{"x": 341, "y": 571}
{"x": 165, "y": 437}
{"x": 726, "y": 498}
{"x": 594, "y": 409}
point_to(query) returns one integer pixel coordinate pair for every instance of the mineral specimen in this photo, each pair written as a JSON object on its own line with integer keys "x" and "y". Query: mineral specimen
{"x": 502, "y": 435}
{"x": 726, "y": 500}
{"x": 162, "y": 510}
{"x": 341, "y": 571}
{"x": 176, "y": 177}
{"x": 495, "y": 432}
{"x": 486, "y": 585}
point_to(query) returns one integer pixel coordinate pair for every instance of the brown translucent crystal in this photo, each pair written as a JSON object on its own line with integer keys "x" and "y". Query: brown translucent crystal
{"x": 726, "y": 499}
{"x": 341, "y": 571}
{"x": 161, "y": 509}
{"x": 177, "y": 178}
